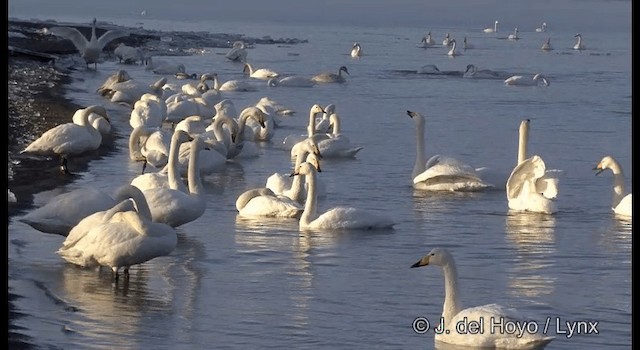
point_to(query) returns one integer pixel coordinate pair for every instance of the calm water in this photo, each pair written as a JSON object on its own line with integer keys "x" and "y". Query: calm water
{"x": 234, "y": 283}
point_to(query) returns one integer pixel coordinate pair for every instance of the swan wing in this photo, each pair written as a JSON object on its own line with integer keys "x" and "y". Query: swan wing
{"x": 530, "y": 170}
{"x": 624, "y": 208}
{"x": 547, "y": 185}
{"x": 109, "y": 36}
{"x": 73, "y": 34}
{"x": 272, "y": 206}
{"x": 348, "y": 218}
{"x": 446, "y": 173}
{"x": 65, "y": 139}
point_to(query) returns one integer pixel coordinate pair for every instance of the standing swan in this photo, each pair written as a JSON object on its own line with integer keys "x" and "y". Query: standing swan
{"x": 331, "y": 77}
{"x": 356, "y": 50}
{"x": 579, "y": 45}
{"x": 492, "y": 30}
{"x": 89, "y": 49}
{"x": 454, "y": 313}
{"x": 531, "y": 187}
{"x": 441, "y": 173}
{"x": 69, "y": 139}
{"x": 622, "y": 203}
{"x": 338, "y": 218}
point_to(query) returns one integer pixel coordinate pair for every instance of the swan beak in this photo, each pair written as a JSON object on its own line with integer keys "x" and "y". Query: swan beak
{"x": 411, "y": 114}
{"x": 599, "y": 169}
{"x": 422, "y": 262}
{"x": 261, "y": 121}
{"x": 294, "y": 174}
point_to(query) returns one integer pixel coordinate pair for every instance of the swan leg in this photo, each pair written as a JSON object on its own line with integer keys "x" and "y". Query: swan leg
{"x": 63, "y": 166}
{"x": 144, "y": 166}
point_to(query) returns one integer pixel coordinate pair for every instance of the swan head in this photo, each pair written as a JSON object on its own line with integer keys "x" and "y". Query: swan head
{"x": 606, "y": 163}
{"x": 470, "y": 68}
{"x": 305, "y": 168}
{"x": 416, "y": 116}
{"x": 315, "y": 109}
{"x": 578, "y": 35}
{"x": 314, "y": 160}
{"x": 496, "y": 22}
{"x": 343, "y": 69}
{"x": 437, "y": 256}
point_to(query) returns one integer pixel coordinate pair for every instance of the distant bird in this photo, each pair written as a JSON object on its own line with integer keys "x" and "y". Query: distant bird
{"x": 492, "y": 30}
{"x": 547, "y": 45}
{"x": 89, "y": 49}
{"x": 514, "y": 36}
{"x": 543, "y": 28}
{"x": 331, "y": 77}
{"x": 447, "y": 40}
{"x": 466, "y": 45}
{"x": 521, "y": 80}
{"x": 453, "y": 51}
{"x": 579, "y": 45}
{"x": 356, "y": 50}
{"x": 238, "y": 53}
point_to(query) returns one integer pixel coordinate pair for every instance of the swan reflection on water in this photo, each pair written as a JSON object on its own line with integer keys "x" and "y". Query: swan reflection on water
{"x": 533, "y": 236}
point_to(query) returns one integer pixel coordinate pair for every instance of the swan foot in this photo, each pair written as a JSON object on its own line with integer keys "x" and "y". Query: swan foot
{"x": 144, "y": 166}
{"x": 63, "y": 166}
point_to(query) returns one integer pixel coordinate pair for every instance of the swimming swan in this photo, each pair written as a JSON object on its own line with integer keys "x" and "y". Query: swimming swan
{"x": 261, "y": 73}
{"x": 441, "y": 173}
{"x": 547, "y": 45}
{"x": 473, "y": 72}
{"x": 514, "y": 36}
{"x": 447, "y": 40}
{"x": 126, "y": 238}
{"x": 263, "y": 202}
{"x": 337, "y": 145}
{"x": 291, "y": 141}
{"x": 291, "y": 81}
{"x": 492, "y": 30}
{"x": 293, "y": 187}
{"x": 232, "y": 85}
{"x": 332, "y": 77}
{"x": 520, "y": 80}
{"x": 356, "y": 50}
{"x": 323, "y": 124}
{"x": 69, "y": 139}
{"x": 238, "y": 52}
{"x": 543, "y": 28}
{"x": 579, "y": 45}
{"x": 622, "y": 203}
{"x": 89, "y": 49}
{"x": 531, "y": 187}
{"x": 453, "y": 52}
{"x": 338, "y": 218}
{"x": 454, "y": 313}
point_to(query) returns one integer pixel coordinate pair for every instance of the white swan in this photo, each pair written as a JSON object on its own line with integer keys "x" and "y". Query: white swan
{"x": 164, "y": 67}
{"x": 174, "y": 207}
{"x": 130, "y": 91}
{"x": 323, "y": 124}
{"x": 238, "y": 52}
{"x": 128, "y": 237}
{"x": 579, "y": 45}
{"x": 241, "y": 147}
{"x": 441, "y": 173}
{"x": 429, "y": 40}
{"x": 338, "y": 218}
{"x": 531, "y": 187}
{"x": 453, "y": 313}
{"x": 69, "y": 139}
{"x": 423, "y": 43}
{"x": 232, "y": 85}
{"x": 291, "y": 141}
{"x": 466, "y": 45}
{"x": 150, "y": 110}
{"x": 453, "y": 52}
{"x": 106, "y": 89}
{"x": 514, "y": 36}
{"x": 447, "y": 40}
{"x": 520, "y": 80}
{"x": 332, "y": 77}
{"x": 622, "y": 203}
{"x": 98, "y": 121}
{"x": 263, "y": 202}
{"x": 547, "y": 45}
{"x": 543, "y": 28}
{"x": 337, "y": 145}
{"x": 292, "y": 81}
{"x": 260, "y": 73}
{"x": 356, "y": 50}
{"x": 89, "y": 49}
{"x": 128, "y": 54}
{"x": 61, "y": 213}
{"x": 492, "y": 30}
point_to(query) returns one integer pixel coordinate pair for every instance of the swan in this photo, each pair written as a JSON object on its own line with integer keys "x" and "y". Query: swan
{"x": 514, "y": 36}
{"x": 170, "y": 176}
{"x": 337, "y": 145}
{"x": 441, "y": 173}
{"x": 332, "y": 77}
{"x": 98, "y": 121}
{"x": 622, "y": 203}
{"x": 64, "y": 211}
{"x": 172, "y": 206}
{"x": 238, "y": 52}
{"x": 337, "y": 218}
{"x": 453, "y": 313}
{"x": 261, "y": 73}
{"x": 453, "y": 52}
{"x": 232, "y": 85}
{"x": 447, "y": 40}
{"x": 323, "y": 124}
{"x": 543, "y": 28}
{"x": 124, "y": 238}
{"x": 150, "y": 110}
{"x": 579, "y": 45}
{"x": 127, "y": 54}
{"x": 291, "y": 141}
{"x": 292, "y": 81}
{"x": 429, "y": 40}
{"x": 423, "y": 43}
{"x": 239, "y": 146}
{"x": 492, "y": 30}
{"x": 69, "y": 139}
{"x": 356, "y": 50}
{"x": 547, "y": 45}
{"x": 89, "y": 49}
{"x": 257, "y": 132}
{"x": 106, "y": 89}
{"x": 292, "y": 187}
{"x": 184, "y": 76}
{"x": 168, "y": 68}
{"x": 429, "y": 69}
{"x": 130, "y": 91}
{"x": 263, "y": 202}
{"x": 531, "y": 187}
{"x": 520, "y": 80}
{"x": 473, "y": 72}
{"x": 466, "y": 45}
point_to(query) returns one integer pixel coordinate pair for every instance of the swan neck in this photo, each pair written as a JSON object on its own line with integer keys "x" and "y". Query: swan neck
{"x": 618, "y": 183}
{"x": 195, "y": 182}
{"x": 297, "y": 186}
{"x": 452, "y": 304}
{"x": 523, "y": 141}
{"x": 134, "y": 143}
{"x": 309, "y": 213}
{"x": 421, "y": 157}
{"x": 216, "y": 83}
{"x": 335, "y": 120}
{"x": 311, "y": 128}
{"x": 172, "y": 165}
{"x": 140, "y": 201}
